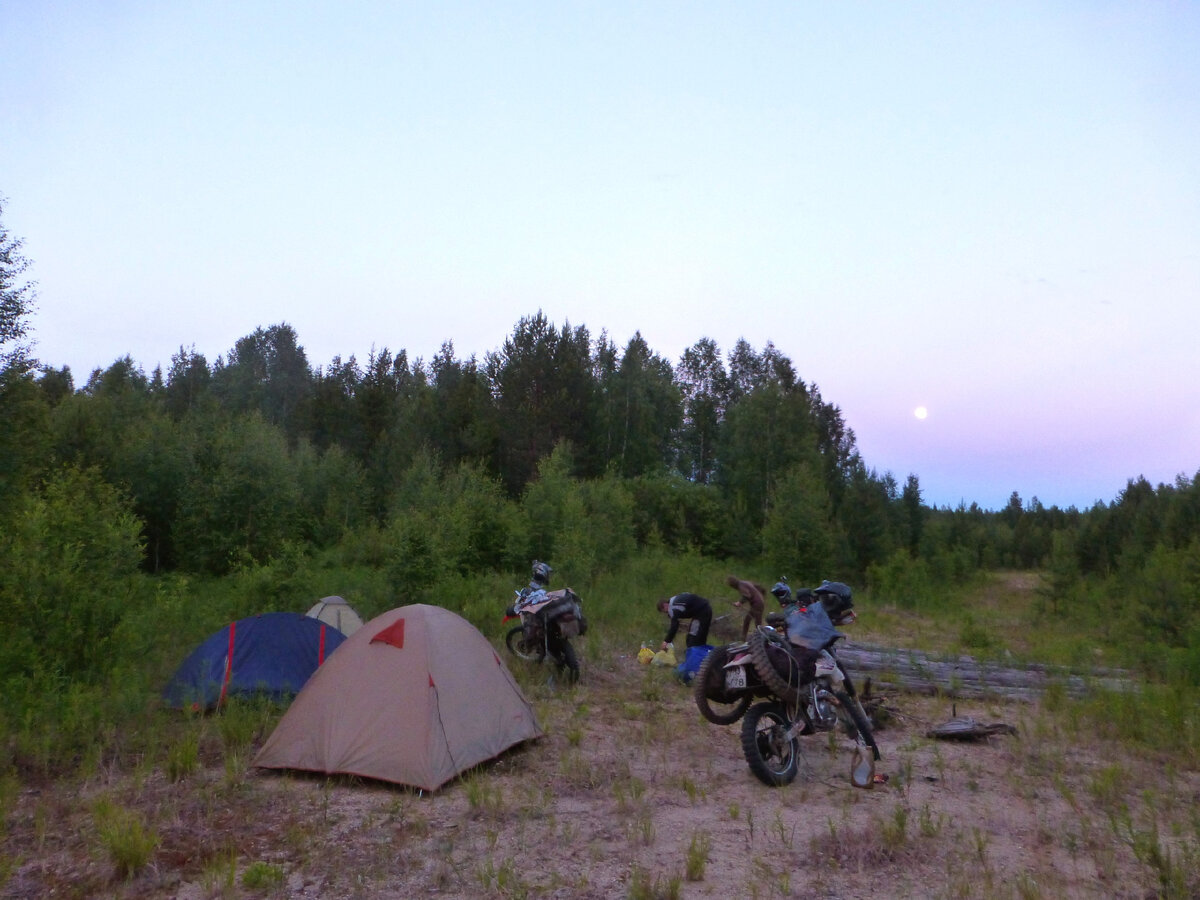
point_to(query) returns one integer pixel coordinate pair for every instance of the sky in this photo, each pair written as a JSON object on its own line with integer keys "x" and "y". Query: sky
{"x": 988, "y": 210}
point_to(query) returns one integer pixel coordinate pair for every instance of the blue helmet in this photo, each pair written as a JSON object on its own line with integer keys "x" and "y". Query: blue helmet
{"x": 782, "y": 592}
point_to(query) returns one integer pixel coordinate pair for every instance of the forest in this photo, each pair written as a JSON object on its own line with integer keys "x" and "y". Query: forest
{"x": 140, "y": 510}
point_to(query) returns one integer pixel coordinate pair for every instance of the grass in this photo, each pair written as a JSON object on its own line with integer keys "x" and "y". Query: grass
{"x": 990, "y": 619}
{"x": 183, "y": 757}
{"x": 502, "y": 880}
{"x": 697, "y": 856}
{"x": 262, "y": 876}
{"x": 644, "y": 886}
{"x": 126, "y": 840}
{"x": 485, "y": 797}
{"x": 632, "y": 793}
{"x": 475, "y": 836}
{"x": 219, "y": 877}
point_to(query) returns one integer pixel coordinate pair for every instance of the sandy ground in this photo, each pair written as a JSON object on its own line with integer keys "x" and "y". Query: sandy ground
{"x": 633, "y": 794}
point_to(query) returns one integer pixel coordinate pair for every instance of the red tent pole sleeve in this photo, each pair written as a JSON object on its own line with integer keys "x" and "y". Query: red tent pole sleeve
{"x": 228, "y": 664}
{"x": 321, "y": 647}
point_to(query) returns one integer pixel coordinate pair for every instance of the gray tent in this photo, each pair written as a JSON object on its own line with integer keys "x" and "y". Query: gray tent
{"x": 336, "y": 612}
{"x": 416, "y": 696}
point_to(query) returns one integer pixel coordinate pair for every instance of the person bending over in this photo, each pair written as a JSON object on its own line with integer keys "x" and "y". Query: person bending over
{"x": 687, "y": 606}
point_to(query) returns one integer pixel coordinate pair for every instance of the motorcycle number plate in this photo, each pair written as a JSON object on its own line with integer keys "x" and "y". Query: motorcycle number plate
{"x": 735, "y": 678}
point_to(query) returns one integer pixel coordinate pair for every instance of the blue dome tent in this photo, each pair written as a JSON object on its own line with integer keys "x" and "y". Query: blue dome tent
{"x": 272, "y": 654}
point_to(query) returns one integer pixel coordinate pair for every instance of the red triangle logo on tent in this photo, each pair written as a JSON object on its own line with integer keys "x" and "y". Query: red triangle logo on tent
{"x": 393, "y": 634}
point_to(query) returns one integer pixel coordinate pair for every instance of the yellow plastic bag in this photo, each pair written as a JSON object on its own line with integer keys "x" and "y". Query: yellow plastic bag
{"x": 665, "y": 657}
{"x": 645, "y": 655}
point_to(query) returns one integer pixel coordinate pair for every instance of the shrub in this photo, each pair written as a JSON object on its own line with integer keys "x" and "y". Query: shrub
{"x": 68, "y": 567}
{"x": 261, "y": 876}
{"x": 901, "y": 580}
{"x": 127, "y": 841}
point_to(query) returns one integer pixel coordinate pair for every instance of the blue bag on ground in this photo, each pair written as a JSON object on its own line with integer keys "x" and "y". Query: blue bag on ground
{"x": 691, "y": 663}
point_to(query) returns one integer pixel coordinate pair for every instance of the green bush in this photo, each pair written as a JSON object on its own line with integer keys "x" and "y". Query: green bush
{"x": 902, "y": 581}
{"x": 68, "y": 572}
{"x": 597, "y": 528}
{"x": 670, "y": 511}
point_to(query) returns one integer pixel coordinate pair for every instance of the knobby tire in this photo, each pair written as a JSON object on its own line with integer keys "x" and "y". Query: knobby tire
{"x": 515, "y": 641}
{"x": 564, "y": 655}
{"x": 770, "y": 675}
{"x": 773, "y": 761}
{"x": 712, "y": 698}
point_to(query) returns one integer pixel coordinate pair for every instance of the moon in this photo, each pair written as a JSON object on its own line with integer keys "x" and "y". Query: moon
{"x": 920, "y": 412}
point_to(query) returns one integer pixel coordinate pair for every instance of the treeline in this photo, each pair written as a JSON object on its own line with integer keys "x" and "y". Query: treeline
{"x": 230, "y": 460}
{"x": 558, "y": 444}
{"x": 732, "y": 455}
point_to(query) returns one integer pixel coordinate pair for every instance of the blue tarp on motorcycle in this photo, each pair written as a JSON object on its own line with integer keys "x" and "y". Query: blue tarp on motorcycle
{"x": 810, "y": 627}
{"x": 687, "y": 669}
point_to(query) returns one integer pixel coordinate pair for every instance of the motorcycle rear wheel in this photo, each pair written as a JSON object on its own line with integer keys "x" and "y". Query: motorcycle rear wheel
{"x": 564, "y": 655}
{"x": 520, "y": 647}
{"x": 715, "y": 702}
{"x": 772, "y": 758}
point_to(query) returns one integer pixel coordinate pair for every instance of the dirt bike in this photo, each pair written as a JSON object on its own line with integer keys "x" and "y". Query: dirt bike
{"x": 790, "y": 664}
{"x": 549, "y": 619}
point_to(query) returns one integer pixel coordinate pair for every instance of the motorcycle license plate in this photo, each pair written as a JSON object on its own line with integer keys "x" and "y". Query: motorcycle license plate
{"x": 735, "y": 678}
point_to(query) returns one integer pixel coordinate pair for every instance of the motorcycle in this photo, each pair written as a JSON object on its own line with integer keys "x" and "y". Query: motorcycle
{"x": 549, "y": 619}
{"x": 790, "y": 664}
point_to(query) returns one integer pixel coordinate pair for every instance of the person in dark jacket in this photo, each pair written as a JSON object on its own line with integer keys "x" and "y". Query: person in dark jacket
{"x": 687, "y": 606}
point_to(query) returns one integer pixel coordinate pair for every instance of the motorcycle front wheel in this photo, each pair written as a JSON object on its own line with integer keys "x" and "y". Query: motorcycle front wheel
{"x": 715, "y": 701}
{"x": 773, "y": 758}
{"x": 854, "y": 720}
{"x": 519, "y": 646}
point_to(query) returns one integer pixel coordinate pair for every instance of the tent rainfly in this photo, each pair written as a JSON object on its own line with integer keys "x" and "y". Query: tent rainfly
{"x": 271, "y": 653}
{"x": 336, "y": 612}
{"x": 416, "y": 697}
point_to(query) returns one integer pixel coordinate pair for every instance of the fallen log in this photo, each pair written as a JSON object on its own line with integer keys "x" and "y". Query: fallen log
{"x": 964, "y": 676}
{"x": 965, "y": 728}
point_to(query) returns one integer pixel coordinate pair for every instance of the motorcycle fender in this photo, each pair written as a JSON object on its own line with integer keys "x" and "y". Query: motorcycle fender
{"x": 827, "y": 665}
{"x": 738, "y": 661}
{"x": 568, "y": 625}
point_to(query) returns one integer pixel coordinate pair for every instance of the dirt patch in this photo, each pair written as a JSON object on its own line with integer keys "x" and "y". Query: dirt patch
{"x": 632, "y": 793}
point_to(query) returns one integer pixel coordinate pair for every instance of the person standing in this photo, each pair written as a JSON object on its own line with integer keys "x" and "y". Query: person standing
{"x": 687, "y": 606}
{"x": 751, "y": 595}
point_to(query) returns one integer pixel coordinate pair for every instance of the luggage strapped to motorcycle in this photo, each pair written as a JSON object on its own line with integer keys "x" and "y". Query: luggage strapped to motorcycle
{"x": 564, "y": 607}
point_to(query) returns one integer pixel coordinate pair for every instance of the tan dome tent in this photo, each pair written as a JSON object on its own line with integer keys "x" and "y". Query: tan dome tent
{"x": 336, "y": 612}
{"x": 416, "y": 696}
